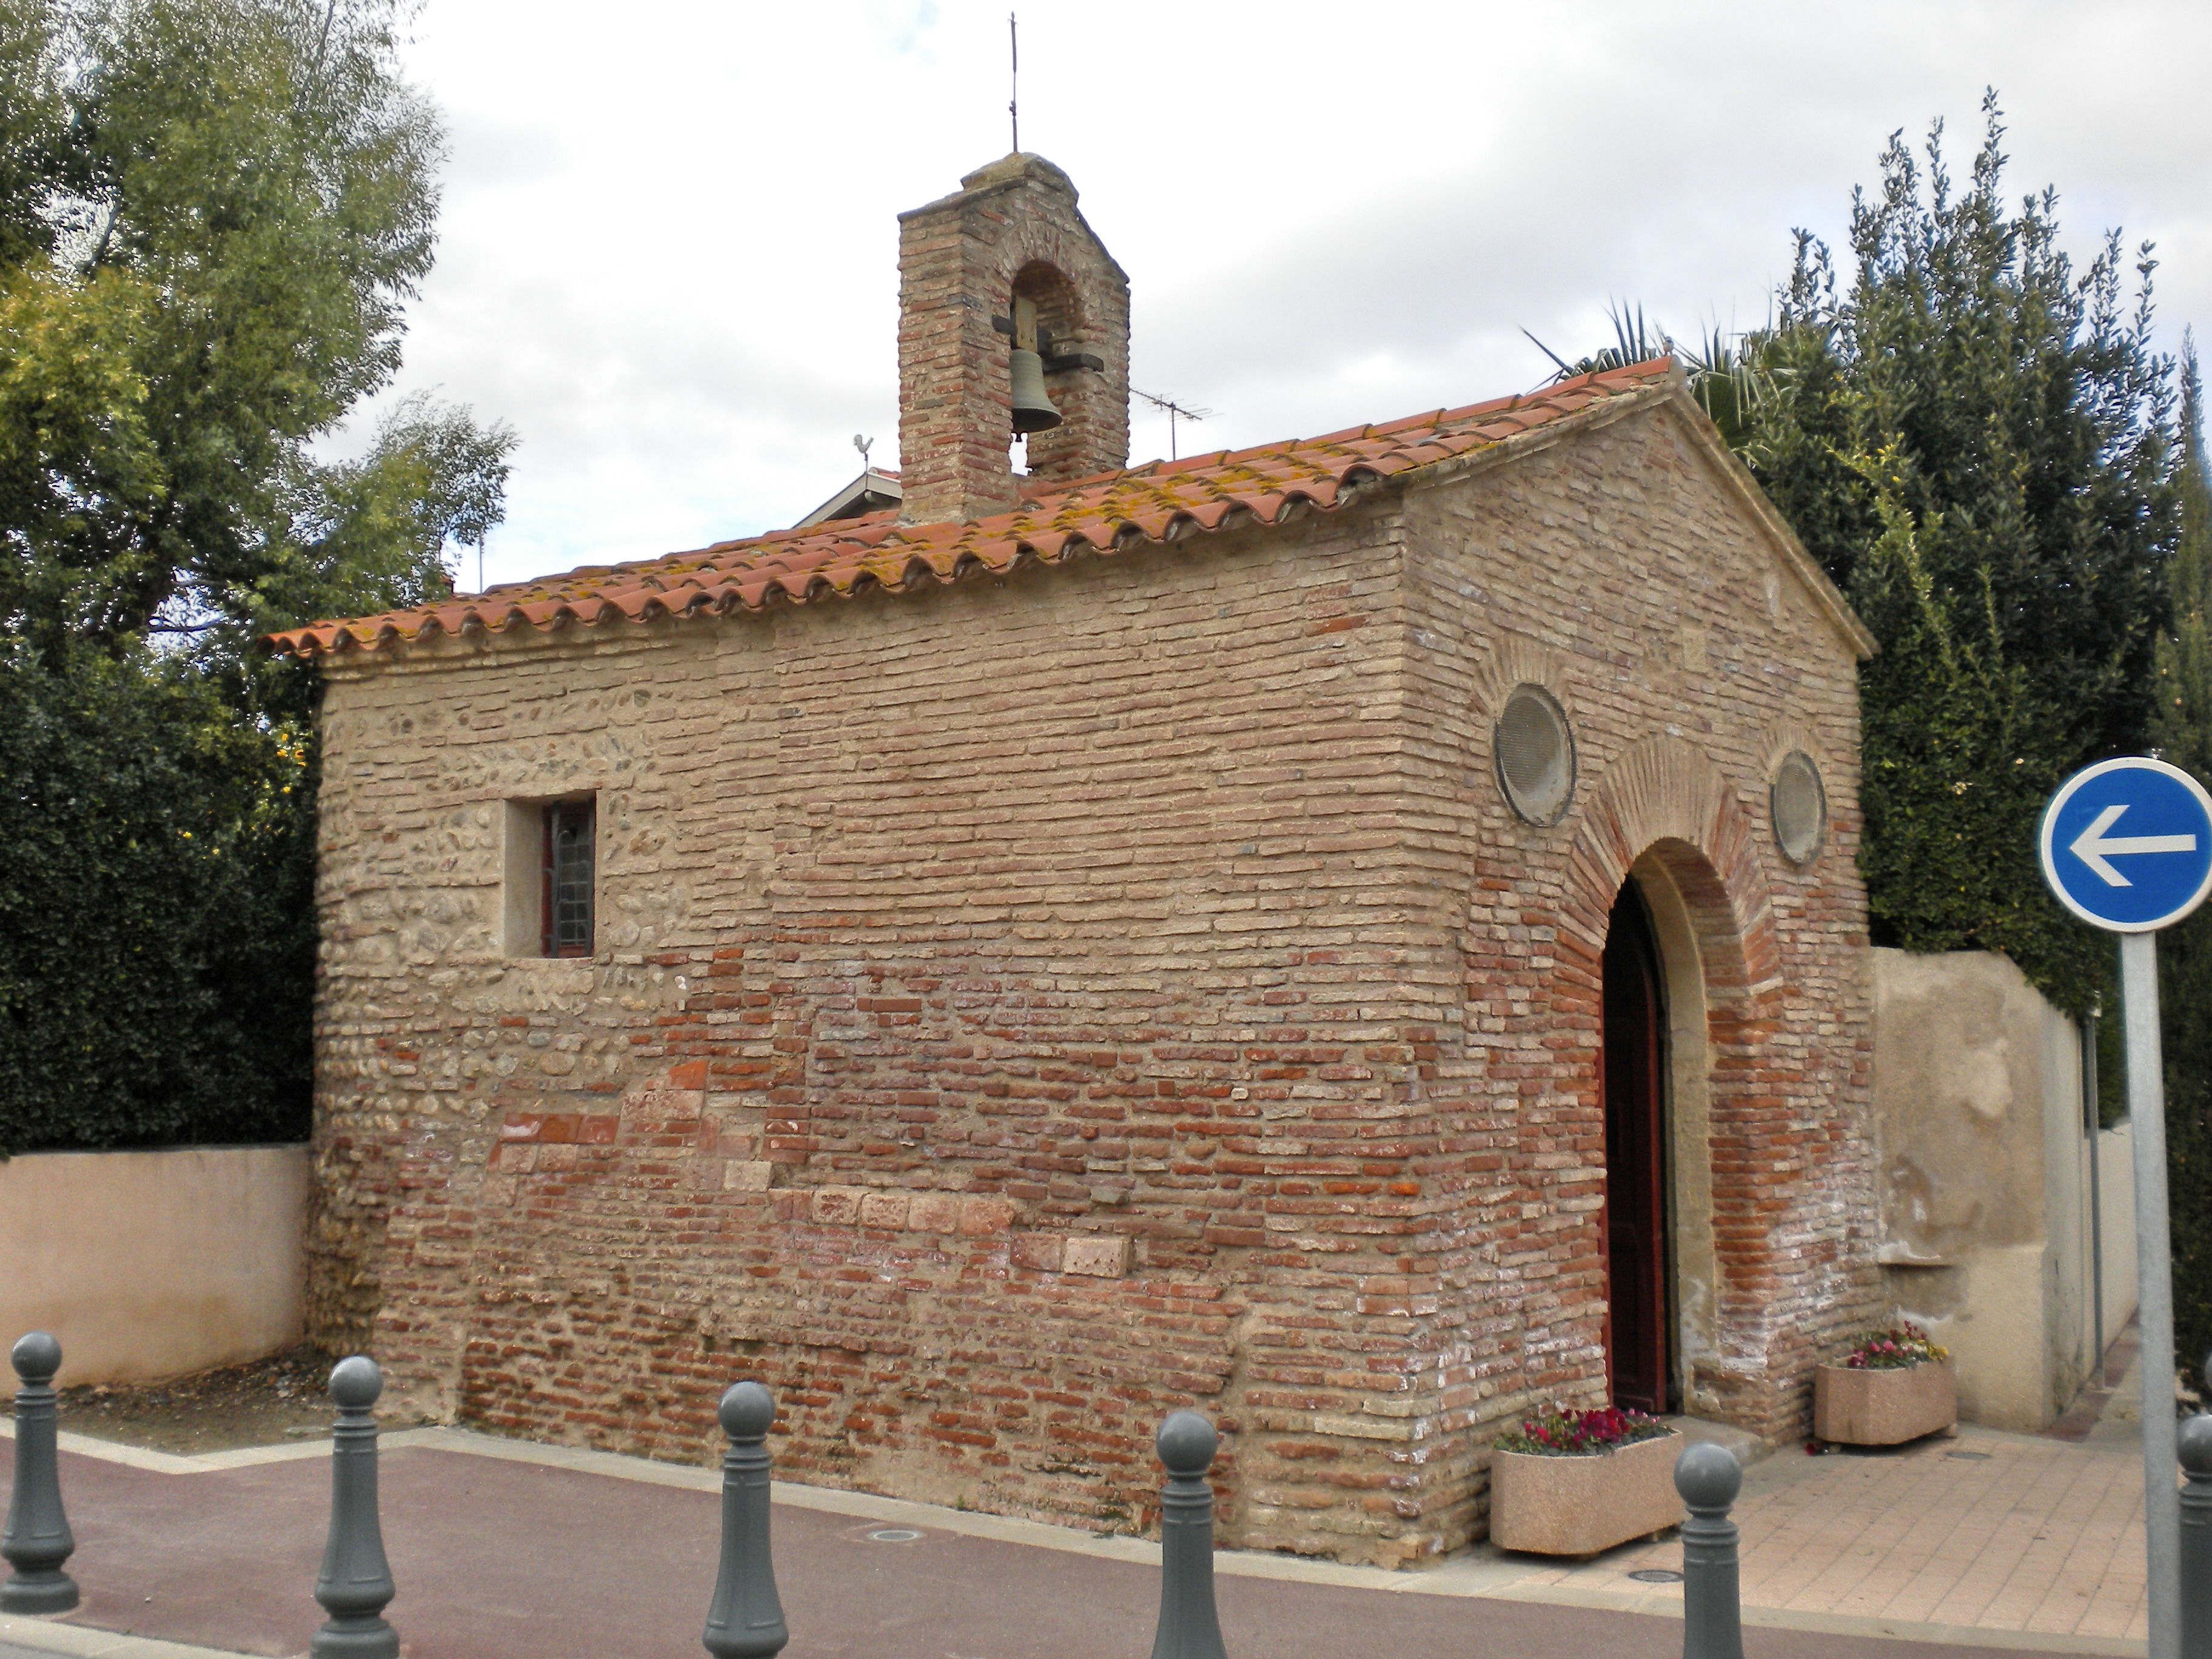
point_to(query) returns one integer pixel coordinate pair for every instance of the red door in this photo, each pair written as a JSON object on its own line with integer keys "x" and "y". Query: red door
{"x": 1635, "y": 1226}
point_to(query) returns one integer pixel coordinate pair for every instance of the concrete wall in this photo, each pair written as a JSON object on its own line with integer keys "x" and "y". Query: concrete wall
{"x": 154, "y": 1264}
{"x": 2116, "y": 1181}
{"x": 1985, "y": 1187}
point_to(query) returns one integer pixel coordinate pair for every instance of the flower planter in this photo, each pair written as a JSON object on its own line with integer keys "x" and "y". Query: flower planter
{"x": 1884, "y": 1408}
{"x": 1580, "y": 1505}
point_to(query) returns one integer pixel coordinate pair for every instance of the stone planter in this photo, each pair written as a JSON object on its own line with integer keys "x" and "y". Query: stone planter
{"x": 1884, "y": 1408}
{"x": 1580, "y": 1505}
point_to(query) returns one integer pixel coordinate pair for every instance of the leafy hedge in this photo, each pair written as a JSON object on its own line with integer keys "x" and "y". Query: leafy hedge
{"x": 2183, "y": 727}
{"x": 156, "y": 940}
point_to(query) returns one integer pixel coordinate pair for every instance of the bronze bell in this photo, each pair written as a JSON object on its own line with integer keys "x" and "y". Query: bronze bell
{"x": 1033, "y": 410}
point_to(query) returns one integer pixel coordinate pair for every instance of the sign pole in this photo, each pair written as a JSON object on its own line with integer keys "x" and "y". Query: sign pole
{"x": 2094, "y": 1121}
{"x": 2154, "y": 1290}
{"x": 2126, "y": 846}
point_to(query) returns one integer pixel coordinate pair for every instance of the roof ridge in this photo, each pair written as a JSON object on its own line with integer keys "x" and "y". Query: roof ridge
{"x": 1105, "y": 513}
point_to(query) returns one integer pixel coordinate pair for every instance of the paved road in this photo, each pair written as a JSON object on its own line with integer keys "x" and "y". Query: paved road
{"x": 498, "y": 1560}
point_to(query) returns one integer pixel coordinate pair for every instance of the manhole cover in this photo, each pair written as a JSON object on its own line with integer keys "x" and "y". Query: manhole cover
{"x": 894, "y": 1535}
{"x": 1656, "y": 1576}
{"x": 1969, "y": 1457}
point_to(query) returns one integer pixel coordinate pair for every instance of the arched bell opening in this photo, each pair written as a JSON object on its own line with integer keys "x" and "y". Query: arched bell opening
{"x": 1049, "y": 325}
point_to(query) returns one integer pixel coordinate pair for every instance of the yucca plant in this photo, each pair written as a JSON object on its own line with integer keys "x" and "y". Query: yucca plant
{"x": 1724, "y": 371}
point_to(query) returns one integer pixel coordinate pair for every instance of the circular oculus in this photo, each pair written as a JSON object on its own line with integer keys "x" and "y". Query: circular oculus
{"x": 1536, "y": 755}
{"x": 1800, "y": 807}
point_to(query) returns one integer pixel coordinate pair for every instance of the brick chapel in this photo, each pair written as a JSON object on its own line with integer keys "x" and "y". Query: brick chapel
{"x": 1361, "y": 935}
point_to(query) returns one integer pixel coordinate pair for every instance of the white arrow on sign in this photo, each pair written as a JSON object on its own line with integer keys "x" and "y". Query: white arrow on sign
{"x": 2093, "y": 847}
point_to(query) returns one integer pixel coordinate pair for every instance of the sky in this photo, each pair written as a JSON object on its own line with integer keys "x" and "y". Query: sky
{"x": 668, "y": 251}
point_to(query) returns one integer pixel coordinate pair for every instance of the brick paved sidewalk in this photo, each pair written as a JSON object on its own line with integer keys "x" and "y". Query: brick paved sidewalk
{"x": 2016, "y": 1534}
{"x": 1988, "y": 1544}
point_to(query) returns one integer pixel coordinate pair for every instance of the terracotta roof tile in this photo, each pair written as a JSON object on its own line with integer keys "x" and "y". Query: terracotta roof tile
{"x": 1102, "y": 514}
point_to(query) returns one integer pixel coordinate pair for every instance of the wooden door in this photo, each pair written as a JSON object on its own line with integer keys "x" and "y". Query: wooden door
{"x": 1639, "y": 1319}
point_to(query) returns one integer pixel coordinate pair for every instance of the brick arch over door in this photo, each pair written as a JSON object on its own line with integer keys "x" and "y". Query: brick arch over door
{"x": 1664, "y": 801}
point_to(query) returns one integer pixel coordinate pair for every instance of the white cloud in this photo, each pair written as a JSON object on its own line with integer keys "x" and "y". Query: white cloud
{"x": 669, "y": 238}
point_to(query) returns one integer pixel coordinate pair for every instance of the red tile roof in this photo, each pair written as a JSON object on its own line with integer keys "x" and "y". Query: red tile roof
{"x": 1115, "y": 511}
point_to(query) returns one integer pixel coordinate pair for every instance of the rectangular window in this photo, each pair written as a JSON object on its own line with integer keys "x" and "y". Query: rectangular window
{"x": 566, "y": 906}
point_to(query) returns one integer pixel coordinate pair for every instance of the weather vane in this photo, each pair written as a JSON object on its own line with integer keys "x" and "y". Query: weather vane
{"x": 1014, "y": 80}
{"x": 864, "y": 445}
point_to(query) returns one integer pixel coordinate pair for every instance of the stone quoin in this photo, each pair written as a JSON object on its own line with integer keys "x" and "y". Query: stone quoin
{"x": 1060, "y": 949}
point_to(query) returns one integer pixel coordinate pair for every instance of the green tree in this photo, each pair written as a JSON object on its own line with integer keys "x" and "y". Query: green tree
{"x": 33, "y": 126}
{"x": 213, "y": 214}
{"x": 1975, "y": 438}
{"x": 2183, "y": 729}
{"x": 237, "y": 200}
{"x": 1976, "y": 441}
{"x": 1980, "y": 444}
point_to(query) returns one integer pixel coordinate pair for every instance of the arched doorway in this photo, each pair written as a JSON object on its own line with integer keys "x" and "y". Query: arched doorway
{"x": 1640, "y": 1319}
{"x": 1667, "y": 828}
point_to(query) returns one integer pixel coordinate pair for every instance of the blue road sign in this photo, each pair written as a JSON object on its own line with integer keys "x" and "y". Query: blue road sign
{"x": 2127, "y": 844}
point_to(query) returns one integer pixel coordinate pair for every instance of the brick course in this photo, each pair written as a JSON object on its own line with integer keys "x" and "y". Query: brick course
{"x": 1027, "y": 1006}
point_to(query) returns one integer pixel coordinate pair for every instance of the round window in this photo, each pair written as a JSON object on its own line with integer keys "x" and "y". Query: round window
{"x": 1536, "y": 755}
{"x": 1800, "y": 808}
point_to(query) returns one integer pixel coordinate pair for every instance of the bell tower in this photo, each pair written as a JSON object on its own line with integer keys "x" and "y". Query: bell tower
{"x": 1014, "y": 319}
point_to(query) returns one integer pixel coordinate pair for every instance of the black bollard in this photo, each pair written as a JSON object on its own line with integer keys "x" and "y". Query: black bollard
{"x": 2196, "y": 1448}
{"x": 355, "y": 1582}
{"x": 1190, "y": 1627}
{"x": 1709, "y": 1479}
{"x": 745, "y": 1619}
{"x": 37, "y": 1540}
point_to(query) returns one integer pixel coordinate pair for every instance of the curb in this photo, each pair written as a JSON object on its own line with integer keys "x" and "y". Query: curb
{"x": 1478, "y": 1574}
{"x": 44, "y": 1636}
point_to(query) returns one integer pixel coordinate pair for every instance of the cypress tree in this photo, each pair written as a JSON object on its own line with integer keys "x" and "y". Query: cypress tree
{"x": 1979, "y": 443}
{"x": 1975, "y": 438}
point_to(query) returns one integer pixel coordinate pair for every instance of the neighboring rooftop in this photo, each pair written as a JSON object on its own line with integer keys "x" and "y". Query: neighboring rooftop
{"x": 831, "y": 556}
{"x": 874, "y": 490}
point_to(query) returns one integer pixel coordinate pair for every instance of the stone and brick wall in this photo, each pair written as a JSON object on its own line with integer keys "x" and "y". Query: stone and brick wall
{"x": 1613, "y": 572}
{"x": 1026, "y": 1006}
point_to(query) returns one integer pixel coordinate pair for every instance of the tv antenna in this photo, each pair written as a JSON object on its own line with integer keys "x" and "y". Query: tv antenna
{"x": 1014, "y": 80}
{"x": 1175, "y": 411}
